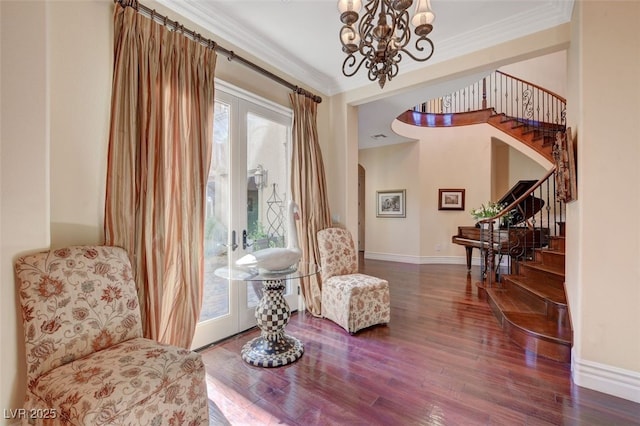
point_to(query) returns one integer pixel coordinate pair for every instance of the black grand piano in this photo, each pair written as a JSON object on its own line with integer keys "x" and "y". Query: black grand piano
{"x": 516, "y": 236}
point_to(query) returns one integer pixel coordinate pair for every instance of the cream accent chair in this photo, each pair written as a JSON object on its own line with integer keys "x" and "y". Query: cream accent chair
{"x": 352, "y": 300}
{"x": 87, "y": 362}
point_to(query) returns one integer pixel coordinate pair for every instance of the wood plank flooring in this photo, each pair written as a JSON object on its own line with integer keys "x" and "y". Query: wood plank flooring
{"x": 442, "y": 360}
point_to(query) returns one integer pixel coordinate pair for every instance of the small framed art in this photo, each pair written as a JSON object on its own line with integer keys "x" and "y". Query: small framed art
{"x": 391, "y": 203}
{"x": 451, "y": 199}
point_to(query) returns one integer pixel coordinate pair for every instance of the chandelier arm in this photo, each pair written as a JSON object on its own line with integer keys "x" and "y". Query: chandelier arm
{"x": 352, "y": 63}
{"x": 369, "y": 52}
{"x": 393, "y": 70}
{"x": 373, "y": 74}
{"x": 420, "y": 48}
{"x": 365, "y": 26}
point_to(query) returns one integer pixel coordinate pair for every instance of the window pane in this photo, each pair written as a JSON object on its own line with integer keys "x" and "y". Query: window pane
{"x": 267, "y": 184}
{"x": 216, "y": 289}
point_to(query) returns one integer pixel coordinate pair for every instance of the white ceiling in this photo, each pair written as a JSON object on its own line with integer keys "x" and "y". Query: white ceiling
{"x": 300, "y": 37}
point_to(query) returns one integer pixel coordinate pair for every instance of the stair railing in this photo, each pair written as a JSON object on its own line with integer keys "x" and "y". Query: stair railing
{"x": 528, "y": 103}
{"x": 496, "y": 244}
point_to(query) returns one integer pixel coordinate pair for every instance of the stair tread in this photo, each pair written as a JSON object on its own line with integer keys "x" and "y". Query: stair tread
{"x": 542, "y": 290}
{"x": 507, "y": 302}
{"x": 527, "y": 131}
{"x": 527, "y": 319}
{"x": 552, "y": 251}
{"x": 552, "y": 269}
{"x": 553, "y": 255}
{"x": 539, "y": 325}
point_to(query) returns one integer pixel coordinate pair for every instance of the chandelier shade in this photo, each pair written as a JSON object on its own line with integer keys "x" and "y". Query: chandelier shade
{"x": 379, "y": 37}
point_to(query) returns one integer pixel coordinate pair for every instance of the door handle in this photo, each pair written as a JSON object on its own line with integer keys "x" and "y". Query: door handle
{"x": 233, "y": 244}
{"x": 244, "y": 240}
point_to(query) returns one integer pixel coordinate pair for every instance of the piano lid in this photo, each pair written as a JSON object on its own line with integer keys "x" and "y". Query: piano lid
{"x": 527, "y": 207}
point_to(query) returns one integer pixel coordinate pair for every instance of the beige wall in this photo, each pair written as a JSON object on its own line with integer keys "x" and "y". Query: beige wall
{"x": 603, "y": 273}
{"x": 460, "y": 157}
{"x": 80, "y": 71}
{"x": 24, "y": 170}
{"x": 500, "y": 168}
{"x": 554, "y": 77}
{"x": 340, "y": 152}
{"x": 395, "y": 167}
{"x": 573, "y": 272}
{"x": 522, "y": 167}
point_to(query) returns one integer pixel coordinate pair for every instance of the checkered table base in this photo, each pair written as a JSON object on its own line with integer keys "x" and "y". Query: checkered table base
{"x": 273, "y": 348}
{"x": 264, "y": 353}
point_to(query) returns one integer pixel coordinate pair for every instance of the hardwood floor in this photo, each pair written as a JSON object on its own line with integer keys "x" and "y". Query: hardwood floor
{"x": 442, "y": 360}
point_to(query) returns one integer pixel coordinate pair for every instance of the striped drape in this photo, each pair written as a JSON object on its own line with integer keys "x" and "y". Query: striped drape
{"x": 158, "y": 162}
{"x": 309, "y": 190}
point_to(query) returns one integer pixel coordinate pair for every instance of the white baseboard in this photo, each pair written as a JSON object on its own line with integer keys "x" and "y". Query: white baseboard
{"x": 425, "y": 260}
{"x": 606, "y": 379}
{"x": 419, "y": 260}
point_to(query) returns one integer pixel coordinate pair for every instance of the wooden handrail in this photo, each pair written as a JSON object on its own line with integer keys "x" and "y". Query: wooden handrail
{"x": 521, "y": 198}
{"x": 533, "y": 85}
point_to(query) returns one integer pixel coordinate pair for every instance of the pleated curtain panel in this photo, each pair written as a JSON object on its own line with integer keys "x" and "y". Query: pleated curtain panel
{"x": 158, "y": 163}
{"x": 309, "y": 190}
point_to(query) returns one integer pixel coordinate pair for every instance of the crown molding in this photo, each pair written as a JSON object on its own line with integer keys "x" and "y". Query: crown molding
{"x": 233, "y": 31}
{"x": 545, "y": 16}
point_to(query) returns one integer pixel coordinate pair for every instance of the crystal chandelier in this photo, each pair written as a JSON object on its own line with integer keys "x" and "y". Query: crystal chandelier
{"x": 382, "y": 41}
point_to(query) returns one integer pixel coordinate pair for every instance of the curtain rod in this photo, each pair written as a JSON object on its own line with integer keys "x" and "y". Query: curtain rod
{"x": 231, "y": 56}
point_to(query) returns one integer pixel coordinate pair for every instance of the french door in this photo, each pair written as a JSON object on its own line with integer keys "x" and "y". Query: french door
{"x": 247, "y": 192}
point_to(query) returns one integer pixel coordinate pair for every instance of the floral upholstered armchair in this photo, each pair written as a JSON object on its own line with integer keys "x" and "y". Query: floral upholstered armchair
{"x": 350, "y": 299}
{"x": 87, "y": 362}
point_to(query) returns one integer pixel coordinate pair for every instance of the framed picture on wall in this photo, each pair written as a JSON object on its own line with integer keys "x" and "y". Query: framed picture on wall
{"x": 391, "y": 203}
{"x": 451, "y": 199}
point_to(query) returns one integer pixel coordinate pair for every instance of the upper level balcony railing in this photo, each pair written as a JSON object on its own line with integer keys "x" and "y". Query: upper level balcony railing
{"x": 528, "y": 103}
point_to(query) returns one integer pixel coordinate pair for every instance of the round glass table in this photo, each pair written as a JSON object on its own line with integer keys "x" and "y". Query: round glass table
{"x": 273, "y": 348}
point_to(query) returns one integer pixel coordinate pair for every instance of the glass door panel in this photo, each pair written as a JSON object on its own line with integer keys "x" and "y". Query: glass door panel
{"x": 218, "y": 317}
{"x": 247, "y": 192}
{"x": 267, "y": 189}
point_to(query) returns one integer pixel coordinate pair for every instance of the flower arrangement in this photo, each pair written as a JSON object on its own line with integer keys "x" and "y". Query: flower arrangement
{"x": 485, "y": 211}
